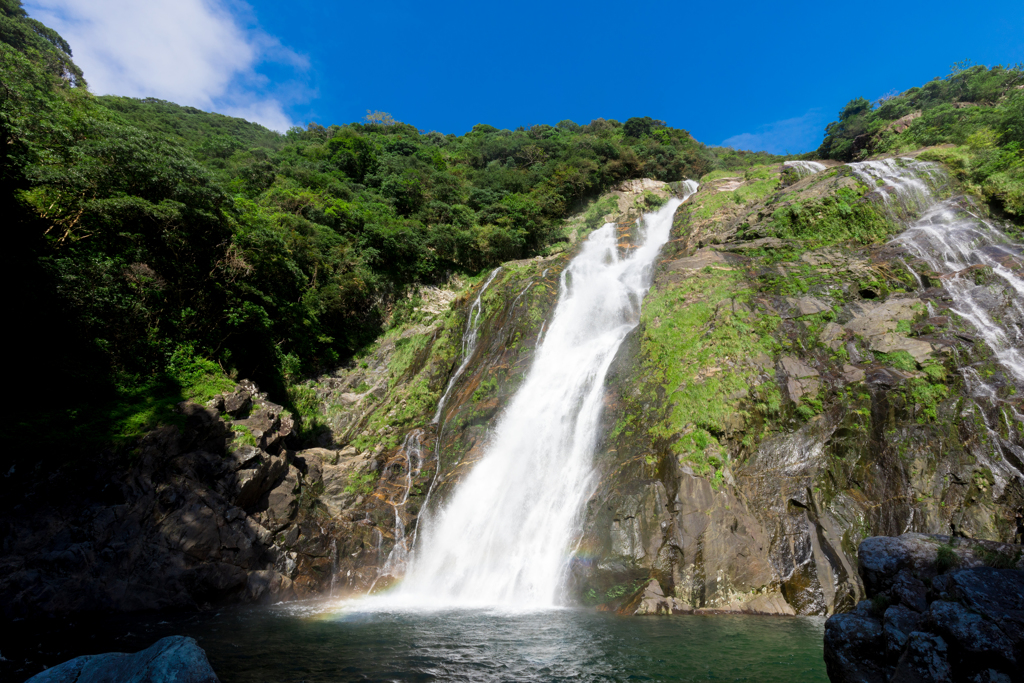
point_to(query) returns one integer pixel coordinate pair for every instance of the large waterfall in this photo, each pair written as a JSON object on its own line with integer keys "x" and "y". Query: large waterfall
{"x": 506, "y": 535}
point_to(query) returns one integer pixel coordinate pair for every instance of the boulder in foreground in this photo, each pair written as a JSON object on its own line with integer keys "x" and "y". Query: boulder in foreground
{"x": 175, "y": 658}
{"x": 938, "y": 609}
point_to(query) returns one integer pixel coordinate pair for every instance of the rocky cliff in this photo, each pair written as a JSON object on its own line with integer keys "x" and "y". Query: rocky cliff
{"x": 797, "y": 384}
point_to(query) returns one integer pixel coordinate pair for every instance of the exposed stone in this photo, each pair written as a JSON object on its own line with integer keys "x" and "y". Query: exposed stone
{"x": 979, "y": 642}
{"x": 654, "y": 601}
{"x": 175, "y": 659}
{"x": 852, "y": 642}
{"x": 269, "y": 586}
{"x": 832, "y": 336}
{"x": 808, "y": 305}
{"x": 851, "y": 374}
{"x": 870, "y": 319}
{"x": 801, "y": 379}
{"x": 924, "y": 661}
{"x": 972, "y": 630}
{"x": 909, "y": 591}
{"x": 281, "y": 501}
{"x": 890, "y": 343}
{"x": 881, "y": 558}
{"x": 704, "y": 258}
{"x": 898, "y": 623}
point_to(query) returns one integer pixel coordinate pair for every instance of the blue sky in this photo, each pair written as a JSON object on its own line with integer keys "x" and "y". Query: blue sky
{"x": 751, "y": 75}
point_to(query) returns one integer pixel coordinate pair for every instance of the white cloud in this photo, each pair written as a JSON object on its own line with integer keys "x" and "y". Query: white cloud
{"x": 201, "y": 53}
{"x": 800, "y": 134}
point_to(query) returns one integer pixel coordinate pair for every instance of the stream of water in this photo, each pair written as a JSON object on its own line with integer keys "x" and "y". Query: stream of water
{"x": 505, "y": 536}
{"x": 954, "y": 241}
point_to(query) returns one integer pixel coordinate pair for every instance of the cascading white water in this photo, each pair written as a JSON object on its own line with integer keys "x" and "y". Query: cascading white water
{"x": 951, "y": 240}
{"x": 506, "y": 535}
{"x": 468, "y": 343}
{"x": 412, "y": 450}
{"x": 804, "y": 168}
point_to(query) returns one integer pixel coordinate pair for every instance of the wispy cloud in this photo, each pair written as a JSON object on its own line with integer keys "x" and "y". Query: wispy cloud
{"x": 202, "y": 53}
{"x": 800, "y": 134}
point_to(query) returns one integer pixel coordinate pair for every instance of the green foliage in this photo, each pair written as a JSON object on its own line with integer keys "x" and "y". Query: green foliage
{"x": 998, "y": 560}
{"x": 694, "y": 352}
{"x": 945, "y": 558}
{"x": 936, "y": 372}
{"x": 361, "y": 483}
{"x": 44, "y": 44}
{"x": 145, "y": 229}
{"x": 596, "y": 212}
{"x": 243, "y": 437}
{"x": 980, "y": 110}
{"x": 923, "y": 393}
{"x": 901, "y": 360}
{"x": 992, "y": 172}
{"x": 653, "y": 201}
{"x": 838, "y": 217}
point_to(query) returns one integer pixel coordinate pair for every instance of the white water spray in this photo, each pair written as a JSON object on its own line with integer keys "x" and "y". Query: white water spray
{"x": 506, "y": 535}
{"x": 805, "y": 168}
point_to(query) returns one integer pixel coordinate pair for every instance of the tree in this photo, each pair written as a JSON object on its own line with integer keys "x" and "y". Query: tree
{"x": 381, "y": 118}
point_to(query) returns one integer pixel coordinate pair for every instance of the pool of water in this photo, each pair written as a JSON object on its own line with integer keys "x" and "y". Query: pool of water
{"x": 323, "y": 642}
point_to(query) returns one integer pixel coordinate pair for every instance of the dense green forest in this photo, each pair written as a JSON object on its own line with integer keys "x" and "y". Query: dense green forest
{"x": 160, "y": 248}
{"x": 979, "y": 111}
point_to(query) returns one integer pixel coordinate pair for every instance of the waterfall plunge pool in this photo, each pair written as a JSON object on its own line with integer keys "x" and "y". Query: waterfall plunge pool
{"x": 334, "y": 642}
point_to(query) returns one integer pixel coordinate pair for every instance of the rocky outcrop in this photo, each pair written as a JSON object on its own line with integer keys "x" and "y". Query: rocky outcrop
{"x": 783, "y": 399}
{"x": 189, "y": 523}
{"x": 175, "y": 659}
{"x": 935, "y": 612}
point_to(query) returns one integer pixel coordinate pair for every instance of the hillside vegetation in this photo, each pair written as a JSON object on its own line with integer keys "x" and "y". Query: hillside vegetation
{"x": 977, "y": 113}
{"x": 161, "y": 249}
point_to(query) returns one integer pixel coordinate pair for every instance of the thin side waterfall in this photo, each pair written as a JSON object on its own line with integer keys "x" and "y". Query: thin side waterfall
{"x": 468, "y": 343}
{"x": 506, "y": 535}
{"x": 395, "y": 565}
{"x": 954, "y": 242}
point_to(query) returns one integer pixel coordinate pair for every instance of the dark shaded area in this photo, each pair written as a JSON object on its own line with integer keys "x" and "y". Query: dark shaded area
{"x": 938, "y": 608}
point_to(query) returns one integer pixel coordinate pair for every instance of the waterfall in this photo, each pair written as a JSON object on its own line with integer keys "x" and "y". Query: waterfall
{"x": 506, "y": 535}
{"x": 805, "y": 168}
{"x": 954, "y": 242}
{"x": 468, "y": 343}
{"x": 395, "y": 565}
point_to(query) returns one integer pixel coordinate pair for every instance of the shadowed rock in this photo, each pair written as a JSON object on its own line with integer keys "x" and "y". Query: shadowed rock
{"x": 175, "y": 659}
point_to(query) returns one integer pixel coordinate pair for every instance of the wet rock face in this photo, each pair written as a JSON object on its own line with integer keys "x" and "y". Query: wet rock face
{"x": 792, "y": 401}
{"x": 942, "y": 623}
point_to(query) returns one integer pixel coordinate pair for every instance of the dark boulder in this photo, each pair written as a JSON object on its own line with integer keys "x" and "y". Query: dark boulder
{"x": 174, "y": 659}
{"x": 924, "y": 661}
{"x": 852, "y": 643}
{"x": 899, "y": 622}
{"x": 941, "y": 625}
